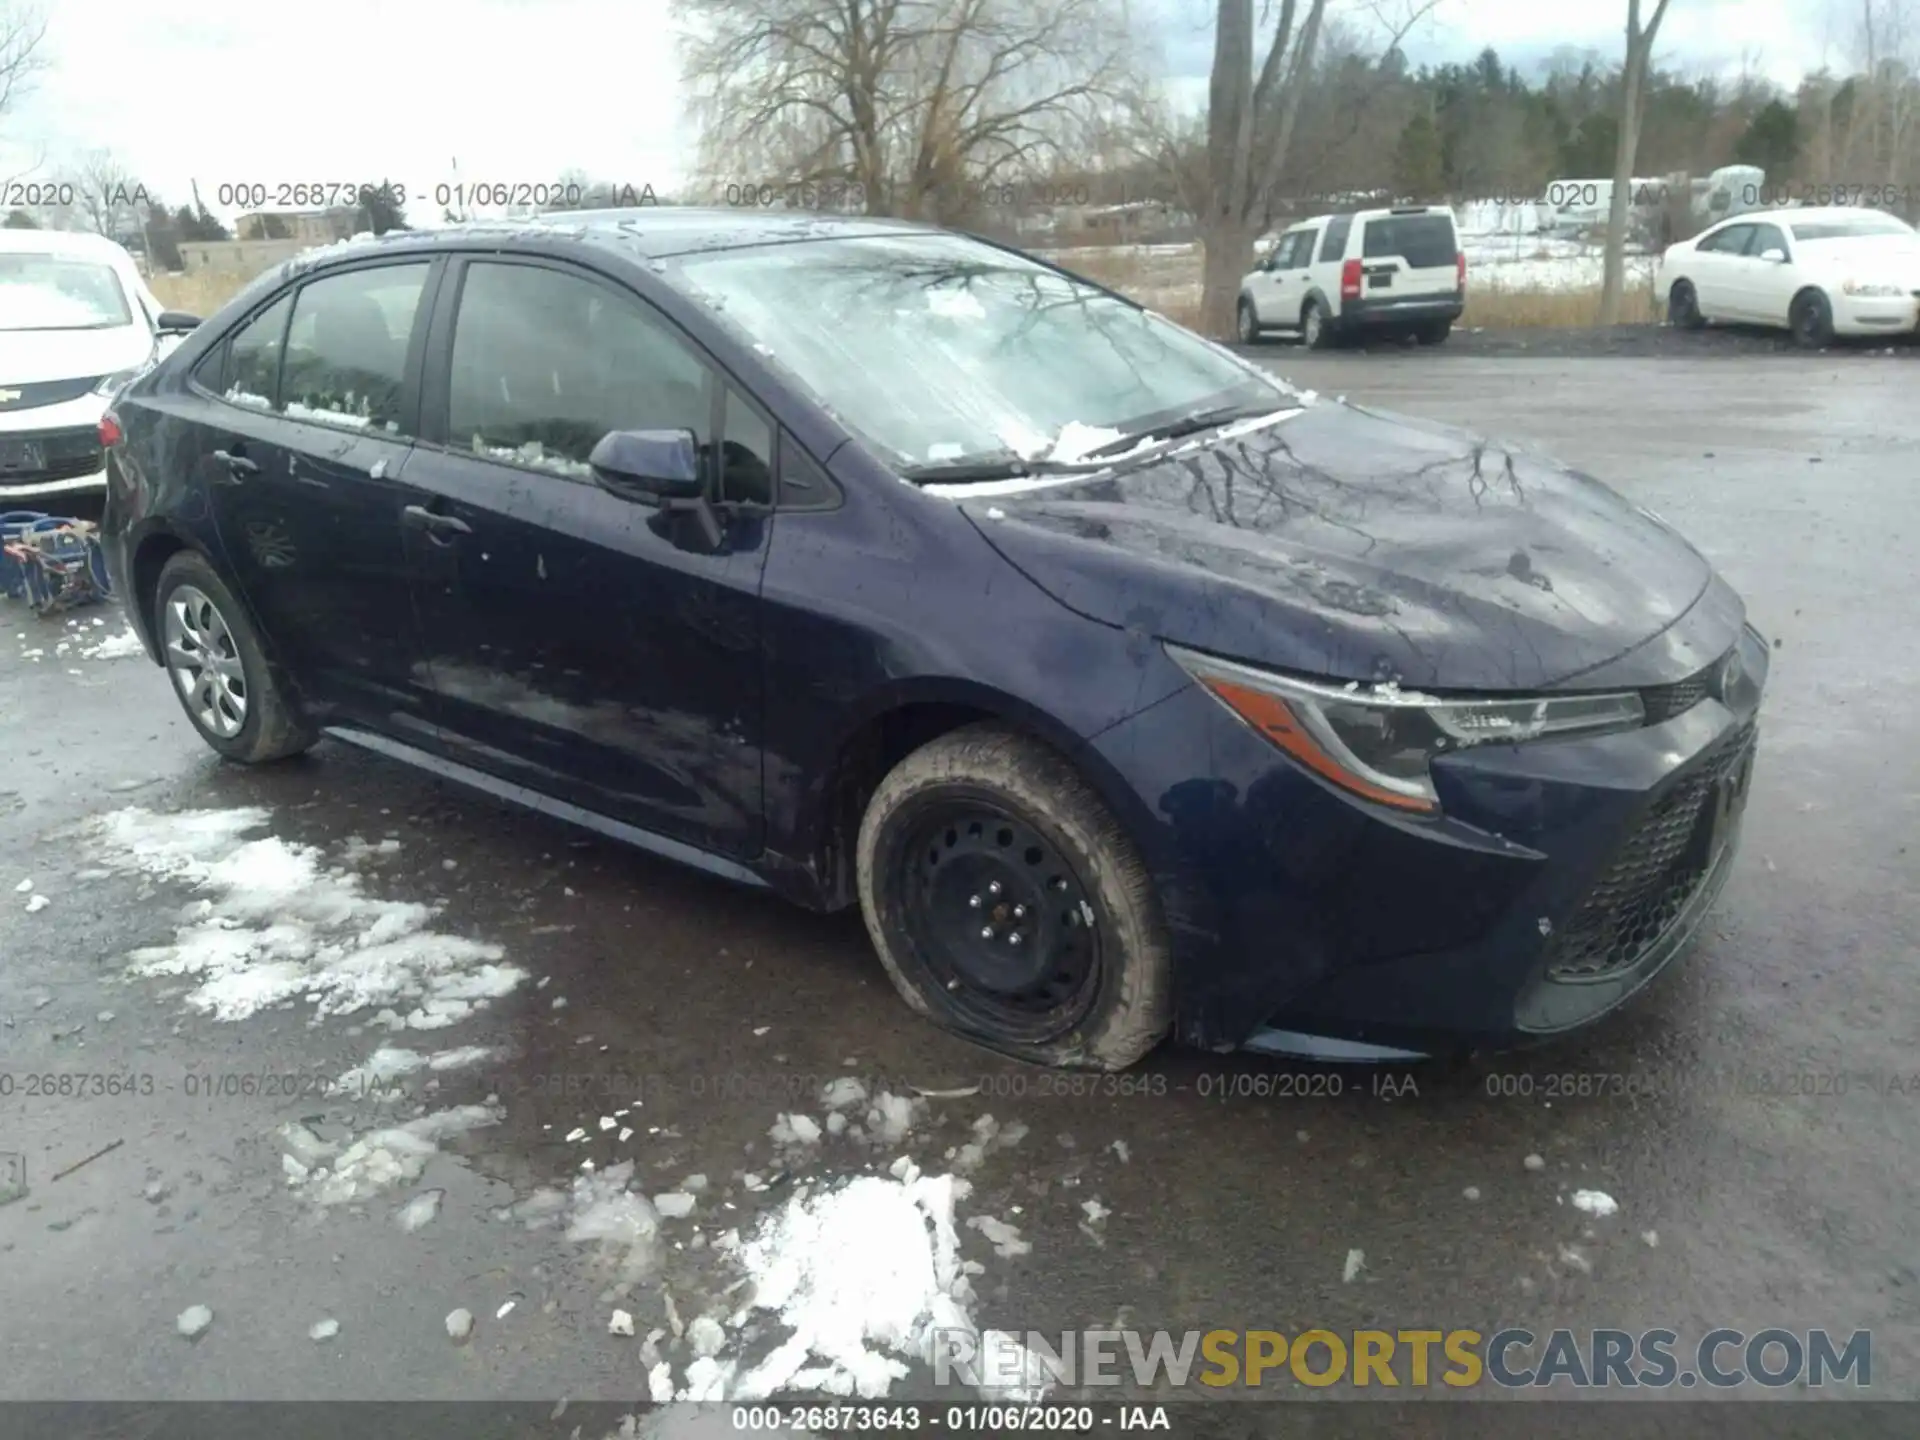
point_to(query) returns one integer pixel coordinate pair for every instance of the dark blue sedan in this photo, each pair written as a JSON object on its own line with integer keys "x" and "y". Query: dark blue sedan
{"x": 1127, "y": 690}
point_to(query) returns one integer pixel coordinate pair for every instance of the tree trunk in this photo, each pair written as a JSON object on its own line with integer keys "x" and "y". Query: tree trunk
{"x": 1613, "y": 276}
{"x": 1228, "y": 255}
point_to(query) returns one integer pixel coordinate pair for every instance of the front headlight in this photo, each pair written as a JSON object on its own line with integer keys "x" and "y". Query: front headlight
{"x": 1872, "y": 287}
{"x": 1378, "y": 742}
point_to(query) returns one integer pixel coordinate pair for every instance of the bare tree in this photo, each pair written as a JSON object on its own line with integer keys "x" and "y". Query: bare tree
{"x": 1251, "y": 115}
{"x": 913, "y": 107}
{"x": 21, "y": 31}
{"x": 1632, "y": 97}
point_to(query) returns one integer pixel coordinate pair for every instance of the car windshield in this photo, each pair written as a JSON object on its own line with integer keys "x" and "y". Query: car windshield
{"x": 1862, "y": 227}
{"x": 51, "y": 292}
{"x": 941, "y": 351}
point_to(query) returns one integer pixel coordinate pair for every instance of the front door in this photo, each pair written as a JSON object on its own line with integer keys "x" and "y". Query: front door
{"x": 305, "y": 441}
{"x": 1716, "y": 278}
{"x": 584, "y": 644}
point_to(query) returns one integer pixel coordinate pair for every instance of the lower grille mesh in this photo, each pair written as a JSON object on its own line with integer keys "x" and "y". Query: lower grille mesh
{"x": 1650, "y": 881}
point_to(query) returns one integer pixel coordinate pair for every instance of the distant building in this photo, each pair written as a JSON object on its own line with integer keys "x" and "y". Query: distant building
{"x": 310, "y": 227}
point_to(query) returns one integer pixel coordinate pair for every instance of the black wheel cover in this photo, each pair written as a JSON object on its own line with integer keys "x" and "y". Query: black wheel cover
{"x": 998, "y": 921}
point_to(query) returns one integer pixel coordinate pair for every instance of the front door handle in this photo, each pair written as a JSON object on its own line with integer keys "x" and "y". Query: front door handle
{"x": 238, "y": 467}
{"x": 418, "y": 517}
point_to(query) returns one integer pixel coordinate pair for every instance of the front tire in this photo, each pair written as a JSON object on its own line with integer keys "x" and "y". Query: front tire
{"x": 1009, "y": 906}
{"x": 1811, "y": 320}
{"x": 219, "y": 668}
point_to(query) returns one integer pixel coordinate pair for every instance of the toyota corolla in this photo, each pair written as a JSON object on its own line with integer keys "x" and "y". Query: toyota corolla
{"x": 1127, "y": 690}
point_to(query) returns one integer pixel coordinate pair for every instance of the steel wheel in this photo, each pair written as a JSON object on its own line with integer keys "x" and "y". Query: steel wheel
{"x": 204, "y": 661}
{"x": 1312, "y": 326}
{"x": 1000, "y": 920}
{"x": 1249, "y": 323}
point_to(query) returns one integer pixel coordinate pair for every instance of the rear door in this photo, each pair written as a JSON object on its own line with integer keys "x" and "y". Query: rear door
{"x": 587, "y": 645}
{"x": 312, "y": 406}
{"x": 1414, "y": 256}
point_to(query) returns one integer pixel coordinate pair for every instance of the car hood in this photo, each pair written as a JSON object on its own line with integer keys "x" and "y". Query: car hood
{"x": 1359, "y": 545}
{"x": 30, "y": 356}
{"x": 1894, "y": 258}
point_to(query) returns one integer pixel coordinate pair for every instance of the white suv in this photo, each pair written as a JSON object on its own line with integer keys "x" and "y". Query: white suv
{"x": 1377, "y": 272}
{"x": 76, "y": 323}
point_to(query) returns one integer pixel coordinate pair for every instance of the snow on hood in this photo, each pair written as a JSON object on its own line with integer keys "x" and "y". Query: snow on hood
{"x": 30, "y": 356}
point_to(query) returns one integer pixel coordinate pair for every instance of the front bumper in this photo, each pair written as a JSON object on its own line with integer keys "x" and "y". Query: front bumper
{"x": 1563, "y": 877}
{"x": 1875, "y": 314}
{"x": 52, "y": 449}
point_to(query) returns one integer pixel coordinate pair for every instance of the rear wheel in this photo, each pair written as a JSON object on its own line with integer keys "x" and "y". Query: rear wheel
{"x": 1008, "y": 905}
{"x": 1247, "y": 322}
{"x": 1433, "y": 332}
{"x": 1811, "y": 320}
{"x": 219, "y": 669}
{"x": 1683, "y": 307}
{"x": 1316, "y": 326}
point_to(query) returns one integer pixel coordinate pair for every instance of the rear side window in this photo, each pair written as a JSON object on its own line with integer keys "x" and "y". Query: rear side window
{"x": 546, "y": 363}
{"x": 1334, "y": 246}
{"x": 1425, "y": 242}
{"x": 346, "y": 358}
{"x": 246, "y": 370}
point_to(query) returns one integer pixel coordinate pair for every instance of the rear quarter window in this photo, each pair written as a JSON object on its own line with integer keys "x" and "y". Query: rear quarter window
{"x": 1425, "y": 242}
{"x": 1334, "y": 245}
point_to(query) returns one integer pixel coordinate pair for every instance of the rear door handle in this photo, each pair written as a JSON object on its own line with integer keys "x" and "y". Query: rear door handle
{"x": 418, "y": 517}
{"x": 238, "y": 467}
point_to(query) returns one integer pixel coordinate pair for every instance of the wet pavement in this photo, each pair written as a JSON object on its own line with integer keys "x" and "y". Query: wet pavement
{"x": 1768, "y": 1179}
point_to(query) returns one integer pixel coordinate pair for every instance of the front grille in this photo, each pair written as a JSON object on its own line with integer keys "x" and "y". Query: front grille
{"x": 33, "y": 457}
{"x": 1663, "y": 702}
{"x": 34, "y": 393}
{"x": 1652, "y": 878}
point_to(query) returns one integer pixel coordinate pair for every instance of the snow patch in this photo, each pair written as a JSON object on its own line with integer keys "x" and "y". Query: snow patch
{"x": 1594, "y": 1202}
{"x": 394, "y": 1156}
{"x": 274, "y": 925}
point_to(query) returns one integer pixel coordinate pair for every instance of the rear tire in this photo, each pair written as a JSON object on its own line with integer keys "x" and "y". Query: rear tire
{"x": 1683, "y": 307}
{"x": 219, "y": 668}
{"x": 1811, "y": 320}
{"x": 1009, "y": 906}
{"x": 1247, "y": 322}
{"x": 1434, "y": 332}
{"x": 1316, "y": 326}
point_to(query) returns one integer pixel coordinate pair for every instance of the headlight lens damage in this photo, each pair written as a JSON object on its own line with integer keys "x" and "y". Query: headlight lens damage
{"x": 1378, "y": 742}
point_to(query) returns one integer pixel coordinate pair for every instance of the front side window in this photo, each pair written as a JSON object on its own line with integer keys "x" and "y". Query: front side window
{"x": 54, "y": 292}
{"x": 546, "y": 363}
{"x": 1765, "y": 238}
{"x": 941, "y": 350}
{"x": 1730, "y": 241}
{"x": 346, "y": 359}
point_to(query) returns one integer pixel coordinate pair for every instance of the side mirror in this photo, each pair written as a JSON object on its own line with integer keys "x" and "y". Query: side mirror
{"x": 175, "y": 322}
{"x": 1775, "y": 254}
{"x": 662, "y": 466}
{"x": 662, "y": 463}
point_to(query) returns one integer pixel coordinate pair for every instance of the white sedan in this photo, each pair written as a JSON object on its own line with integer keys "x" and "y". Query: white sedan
{"x": 76, "y": 323}
{"x": 1840, "y": 270}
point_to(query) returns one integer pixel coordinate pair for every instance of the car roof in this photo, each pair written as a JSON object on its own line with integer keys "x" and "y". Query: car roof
{"x": 645, "y": 232}
{"x": 74, "y": 244}
{"x": 1788, "y": 214}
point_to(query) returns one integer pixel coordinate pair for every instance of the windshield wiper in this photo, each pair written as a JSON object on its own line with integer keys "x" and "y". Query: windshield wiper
{"x": 1188, "y": 424}
{"x": 993, "y": 465}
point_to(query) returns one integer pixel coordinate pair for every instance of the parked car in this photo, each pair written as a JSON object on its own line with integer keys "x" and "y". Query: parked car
{"x": 1837, "y": 270}
{"x": 1123, "y": 687}
{"x": 76, "y": 322}
{"x": 1397, "y": 273}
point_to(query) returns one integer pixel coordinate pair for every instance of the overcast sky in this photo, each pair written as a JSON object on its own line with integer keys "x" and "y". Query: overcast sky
{"x": 517, "y": 90}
